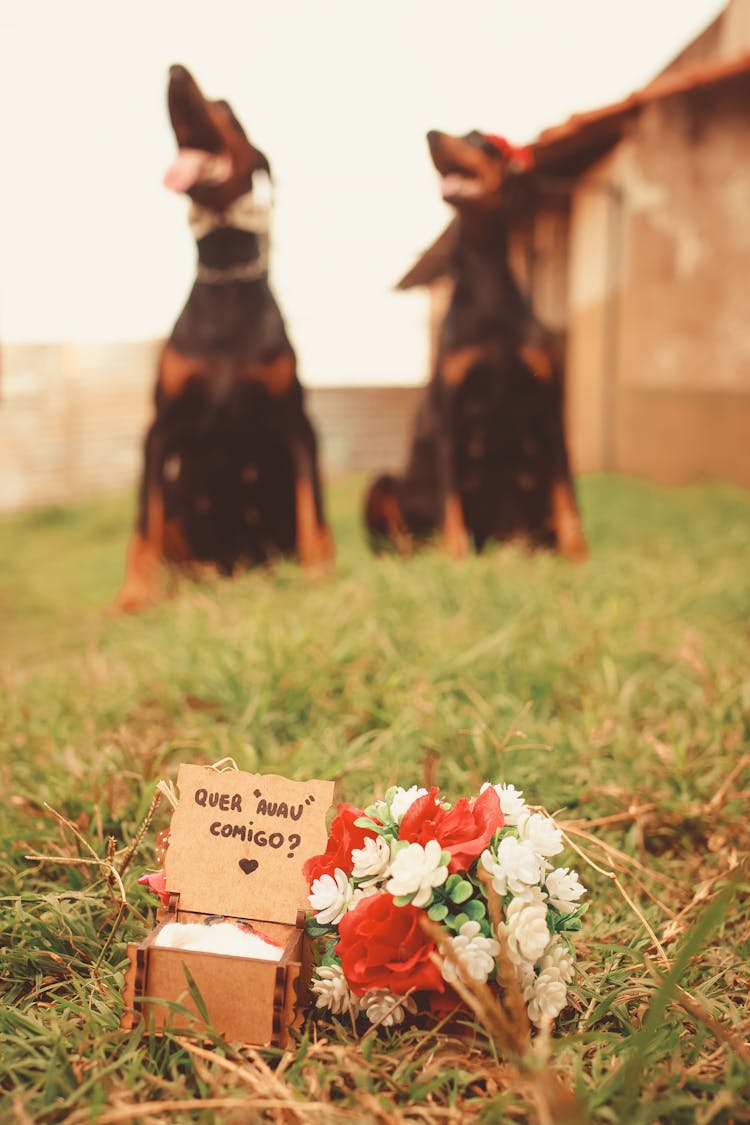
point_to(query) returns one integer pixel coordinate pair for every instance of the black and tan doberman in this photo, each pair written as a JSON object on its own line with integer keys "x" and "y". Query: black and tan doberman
{"x": 230, "y": 474}
{"x": 488, "y": 459}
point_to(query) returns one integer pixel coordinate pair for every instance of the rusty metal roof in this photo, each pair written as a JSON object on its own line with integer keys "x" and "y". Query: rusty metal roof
{"x": 585, "y": 135}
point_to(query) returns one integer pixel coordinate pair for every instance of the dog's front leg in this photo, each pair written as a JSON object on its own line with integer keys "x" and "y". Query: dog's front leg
{"x": 566, "y": 521}
{"x": 565, "y": 517}
{"x": 143, "y": 563}
{"x": 455, "y": 536}
{"x": 315, "y": 546}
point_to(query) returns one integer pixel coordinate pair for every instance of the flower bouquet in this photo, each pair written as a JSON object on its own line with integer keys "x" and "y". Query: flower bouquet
{"x": 478, "y": 873}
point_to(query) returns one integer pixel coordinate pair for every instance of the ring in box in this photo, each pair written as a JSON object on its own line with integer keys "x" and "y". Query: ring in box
{"x": 238, "y": 842}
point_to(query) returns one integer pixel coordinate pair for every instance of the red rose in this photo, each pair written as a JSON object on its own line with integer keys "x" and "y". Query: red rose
{"x": 343, "y": 838}
{"x": 464, "y": 831}
{"x": 444, "y": 1004}
{"x": 382, "y": 945}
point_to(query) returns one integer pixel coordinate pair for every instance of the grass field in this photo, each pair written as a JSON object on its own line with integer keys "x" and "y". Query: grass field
{"x": 615, "y": 693}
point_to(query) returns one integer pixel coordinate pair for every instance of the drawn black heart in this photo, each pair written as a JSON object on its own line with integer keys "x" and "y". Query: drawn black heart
{"x": 247, "y": 866}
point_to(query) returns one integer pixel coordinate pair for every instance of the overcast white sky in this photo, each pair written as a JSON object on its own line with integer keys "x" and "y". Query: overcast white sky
{"x": 339, "y": 93}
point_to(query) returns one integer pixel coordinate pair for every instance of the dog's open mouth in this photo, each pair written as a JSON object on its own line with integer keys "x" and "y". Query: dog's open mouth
{"x": 459, "y": 163}
{"x": 460, "y": 184}
{"x": 202, "y": 157}
{"x": 195, "y": 166}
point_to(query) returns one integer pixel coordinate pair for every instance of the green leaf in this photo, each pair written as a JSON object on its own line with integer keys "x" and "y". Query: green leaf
{"x": 570, "y": 921}
{"x": 461, "y": 891}
{"x": 402, "y": 900}
{"x": 571, "y": 925}
{"x": 314, "y": 929}
{"x": 330, "y": 958}
{"x": 195, "y": 994}
{"x": 437, "y": 911}
{"x": 475, "y": 909}
{"x": 508, "y": 830}
{"x": 365, "y": 822}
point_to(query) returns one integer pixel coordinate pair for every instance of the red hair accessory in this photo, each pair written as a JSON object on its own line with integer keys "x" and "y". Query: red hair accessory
{"x": 522, "y": 155}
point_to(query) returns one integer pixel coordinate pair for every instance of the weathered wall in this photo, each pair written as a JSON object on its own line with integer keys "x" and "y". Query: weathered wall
{"x": 71, "y": 419}
{"x": 659, "y": 331}
{"x": 593, "y": 287}
{"x": 683, "y": 374}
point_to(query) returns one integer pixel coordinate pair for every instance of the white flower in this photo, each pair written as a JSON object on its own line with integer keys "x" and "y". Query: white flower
{"x": 541, "y": 833}
{"x": 372, "y": 860}
{"x": 330, "y": 896}
{"x": 472, "y": 953}
{"x": 515, "y": 867}
{"x": 382, "y": 1006}
{"x": 548, "y": 997}
{"x": 546, "y": 992}
{"x": 564, "y": 889}
{"x": 416, "y": 870}
{"x": 331, "y": 989}
{"x": 403, "y": 799}
{"x": 557, "y": 958}
{"x": 511, "y": 801}
{"x": 361, "y": 892}
{"x": 525, "y": 926}
{"x": 526, "y": 975}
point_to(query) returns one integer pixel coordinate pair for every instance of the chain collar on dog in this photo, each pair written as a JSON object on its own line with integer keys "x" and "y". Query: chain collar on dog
{"x": 247, "y": 213}
{"x": 241, "y": 271}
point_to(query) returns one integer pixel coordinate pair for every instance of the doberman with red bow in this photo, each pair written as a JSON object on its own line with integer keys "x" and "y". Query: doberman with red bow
{"x": 488, "y": 459}
{"x": 230, "y": 475}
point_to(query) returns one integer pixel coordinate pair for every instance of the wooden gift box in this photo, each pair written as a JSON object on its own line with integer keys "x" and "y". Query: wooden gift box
{"x": 237, "y": 845}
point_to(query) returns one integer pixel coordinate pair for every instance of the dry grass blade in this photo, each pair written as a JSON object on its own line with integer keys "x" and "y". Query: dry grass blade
{"x": 246, "y": 1110}
{"x": 680, "y": 921}
{"x": 253, "y": 1072}
{"x": 505, "y": 1019}
{"x": 614, "y": 878}
{"x": 514, "y": 1004}
{"x": 496, "y": 1014}
{"x": 143, "y": 828}
{"x": 726, "y": 1035}
{"x": 722, "y": 792}
{"x": 20, "y": 1116}
{"x": 555, "y": 1104}
{"x": 630, "y": 816}
{"x": 617, "y": 857}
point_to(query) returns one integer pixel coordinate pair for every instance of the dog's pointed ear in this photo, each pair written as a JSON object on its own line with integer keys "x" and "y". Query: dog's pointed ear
{"x": 232, "y": 116}
{"x": 262, "y": 164}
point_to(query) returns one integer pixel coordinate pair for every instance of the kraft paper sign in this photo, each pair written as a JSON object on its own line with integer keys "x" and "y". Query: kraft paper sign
{"x": 238, "y": 842}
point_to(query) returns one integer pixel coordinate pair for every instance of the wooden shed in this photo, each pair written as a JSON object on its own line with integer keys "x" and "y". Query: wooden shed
{"x": 636, "y": 242}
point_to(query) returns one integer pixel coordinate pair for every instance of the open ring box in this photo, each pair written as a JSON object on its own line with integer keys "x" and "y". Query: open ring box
{"x": 237, "y": 845}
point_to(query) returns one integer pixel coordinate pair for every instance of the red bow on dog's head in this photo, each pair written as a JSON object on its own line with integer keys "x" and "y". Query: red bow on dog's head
{"x": 520, "y": 155}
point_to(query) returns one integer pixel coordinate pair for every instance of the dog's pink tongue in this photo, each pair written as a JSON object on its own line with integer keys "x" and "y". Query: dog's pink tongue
{"x": 186, "y": 169}
{"x": 453, "y": 184}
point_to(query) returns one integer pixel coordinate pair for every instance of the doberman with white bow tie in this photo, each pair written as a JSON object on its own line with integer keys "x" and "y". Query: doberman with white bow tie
{"x": 230, "y": 475}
